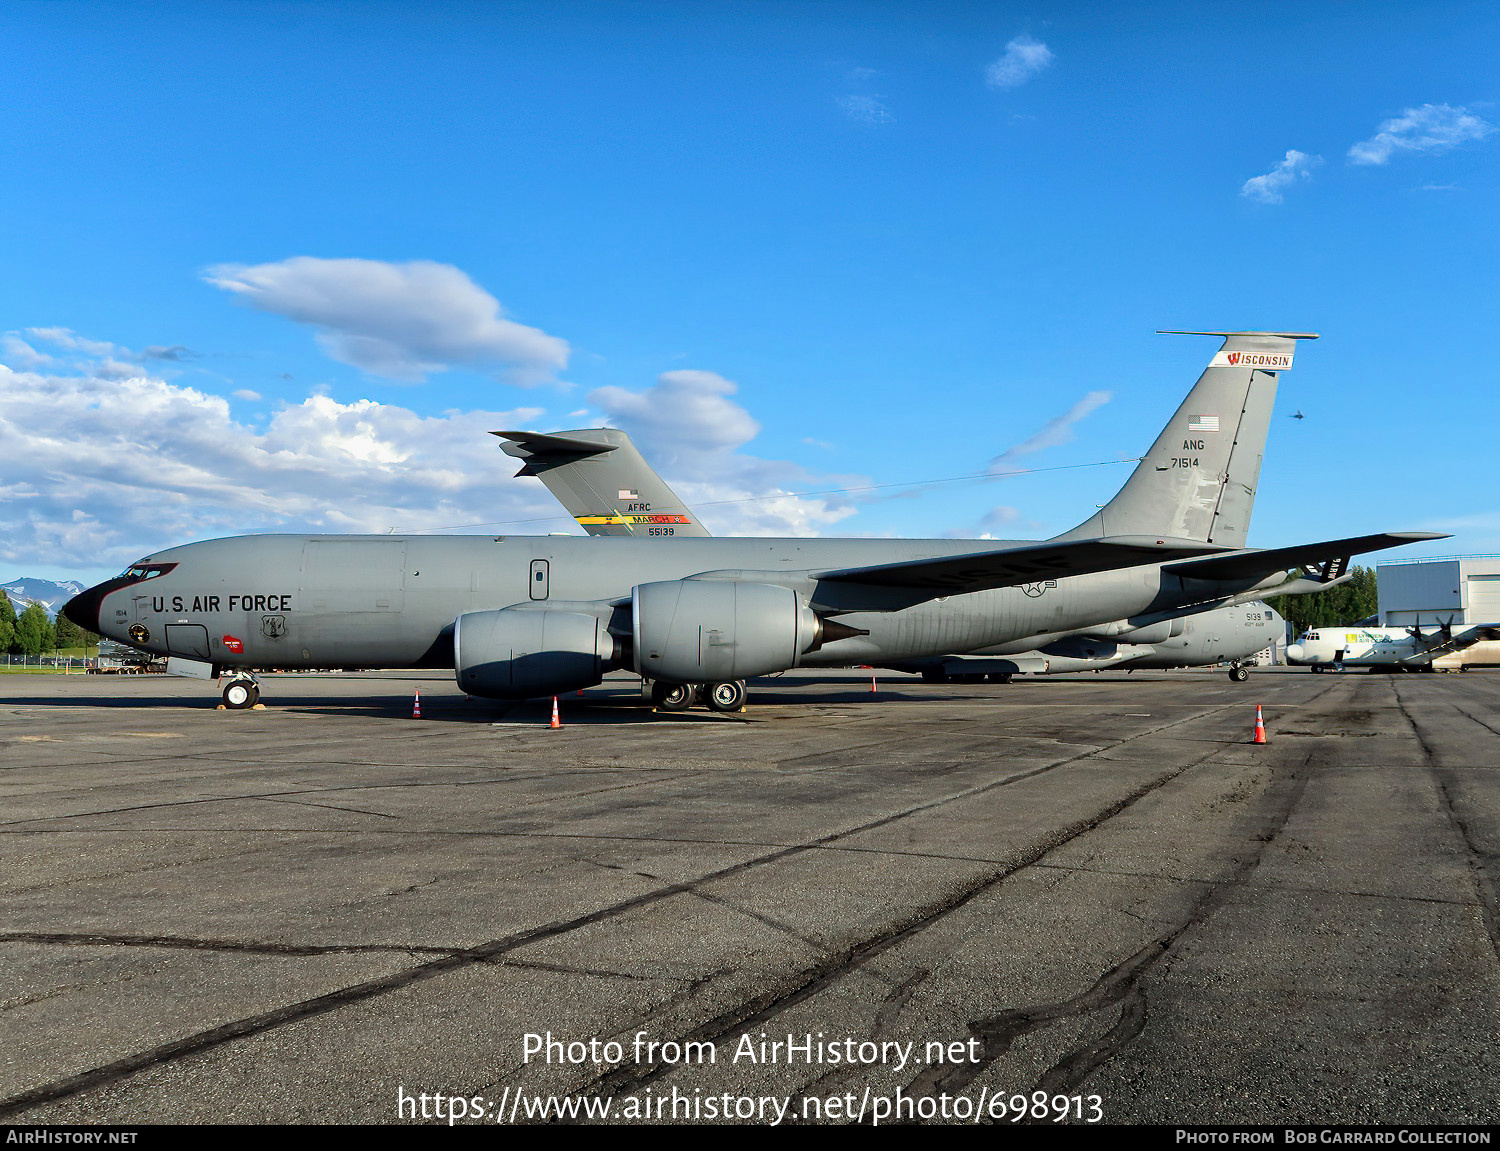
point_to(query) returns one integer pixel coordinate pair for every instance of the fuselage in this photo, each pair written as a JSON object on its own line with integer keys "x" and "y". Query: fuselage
{"x": 390, "y": 601}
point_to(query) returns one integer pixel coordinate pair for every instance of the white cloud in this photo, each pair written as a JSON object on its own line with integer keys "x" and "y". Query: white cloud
{"x": 17, "y": 353}
{"x": 67, "y": 338}
{"x": 689, "y": 429}
{"x": 1430, "y": 128}
{"x": 400, "y": 321}
{"x": 1023, "y": 59}
{"x": 1268, "y": 188}
{"x": 865, "y": 109}
{"x": 1058, "y": 430}
{"x": 112, "y": 469}
{"x": 246, "y": 394}
{"x": 98, "y": 470}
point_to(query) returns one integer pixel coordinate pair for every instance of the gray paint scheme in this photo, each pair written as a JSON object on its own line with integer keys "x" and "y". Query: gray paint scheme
{"x": 1225, "y": 634}
{"x": 352, "y": 601}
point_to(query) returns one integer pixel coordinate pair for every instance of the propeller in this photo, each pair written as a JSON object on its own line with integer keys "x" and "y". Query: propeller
{"x": 1415, "y": 631}
{"x": 1446, "y": 628}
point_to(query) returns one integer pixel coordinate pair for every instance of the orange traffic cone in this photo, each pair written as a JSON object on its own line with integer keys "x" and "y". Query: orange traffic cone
{"x": 416, "y": 703}
{"x": 556, "y": 722}
{"x": 871, "y": 670}
{"x": 1260, "y": 726}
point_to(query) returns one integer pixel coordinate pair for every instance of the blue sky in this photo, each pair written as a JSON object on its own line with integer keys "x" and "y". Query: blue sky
{"x": 281, "y": 266}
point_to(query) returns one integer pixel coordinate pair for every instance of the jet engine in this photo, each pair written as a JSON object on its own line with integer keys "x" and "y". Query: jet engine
{"x": 523, "y": 652}
{"x": 709, "y": 631}
{"x": 1158, "y": 632}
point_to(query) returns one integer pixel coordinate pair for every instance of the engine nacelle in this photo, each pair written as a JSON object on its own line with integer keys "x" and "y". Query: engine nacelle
{"x": 708, "y": 631}
{"x": 524, "y": 652}
{"x": 1158, "y": 632}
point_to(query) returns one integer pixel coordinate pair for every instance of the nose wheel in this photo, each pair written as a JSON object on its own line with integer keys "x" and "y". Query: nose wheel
{"x": 1239, "y": 674}
{"x": 241, "y": 693}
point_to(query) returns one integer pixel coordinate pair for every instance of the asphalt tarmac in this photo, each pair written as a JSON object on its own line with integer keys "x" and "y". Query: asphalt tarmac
{"x": 1093, "y": 887}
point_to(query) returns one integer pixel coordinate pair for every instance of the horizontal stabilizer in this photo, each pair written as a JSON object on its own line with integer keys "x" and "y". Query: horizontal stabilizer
{"x": 1012, "y": 567}
{"x": 1256, "y": 562}
{"x": 1226, "y": 335}
{"x": 537, "y": 448}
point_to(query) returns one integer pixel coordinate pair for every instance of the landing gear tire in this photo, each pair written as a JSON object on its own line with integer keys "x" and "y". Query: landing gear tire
{"x": 671, "y": 696}
{"x": 240, "y": 694}
{"x": 1239, "y": 674}
{"x": 726, "y": 696}
{"x": 1000, "y": 677}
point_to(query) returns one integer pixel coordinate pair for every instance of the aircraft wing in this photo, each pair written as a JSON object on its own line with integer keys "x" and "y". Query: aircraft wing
{"x": 1011, "y": 567}
{"x": 1466, "y": 638}
{"x": 1262, "y": 562}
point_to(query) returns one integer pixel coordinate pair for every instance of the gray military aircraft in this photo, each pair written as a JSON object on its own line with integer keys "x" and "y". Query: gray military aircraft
{"x": 605, "y": 483}
{"x": 1229, "y": 635}
{"x": 524, "y": 616}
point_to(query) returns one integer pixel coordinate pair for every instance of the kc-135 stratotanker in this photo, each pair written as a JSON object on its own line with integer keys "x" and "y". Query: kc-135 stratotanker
{"x": 519, "y": 617}
{"x": 605, "y": 483}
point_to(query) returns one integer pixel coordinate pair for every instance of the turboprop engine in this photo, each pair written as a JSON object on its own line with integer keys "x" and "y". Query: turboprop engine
{"x": 713, "y": 630}
{"x": 522, "y": 652}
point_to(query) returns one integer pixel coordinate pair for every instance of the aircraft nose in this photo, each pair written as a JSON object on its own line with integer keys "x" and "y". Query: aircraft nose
{"x": 83, "y": 608}
{"x": 1294, "y": 652}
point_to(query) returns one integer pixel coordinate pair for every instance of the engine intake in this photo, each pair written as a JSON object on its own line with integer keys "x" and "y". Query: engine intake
{"x": 523, "y": 652}
{"x": 707, "y": 631}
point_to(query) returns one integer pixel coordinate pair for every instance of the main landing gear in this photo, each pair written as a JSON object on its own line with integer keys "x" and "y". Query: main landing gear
{"x": 725, "y": 696}
{"x": 241, "y": 692}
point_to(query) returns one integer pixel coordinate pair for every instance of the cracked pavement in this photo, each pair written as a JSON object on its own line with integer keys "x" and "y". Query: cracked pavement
{"x": 282, "y": 915}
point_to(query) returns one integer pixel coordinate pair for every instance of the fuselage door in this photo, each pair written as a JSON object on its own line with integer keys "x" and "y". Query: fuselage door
{"x": 188, "y": 639}
{"x": 539, "y": 577}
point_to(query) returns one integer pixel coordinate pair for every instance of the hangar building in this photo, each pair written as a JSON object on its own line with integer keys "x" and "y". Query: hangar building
{"x": 1465, "y": 587}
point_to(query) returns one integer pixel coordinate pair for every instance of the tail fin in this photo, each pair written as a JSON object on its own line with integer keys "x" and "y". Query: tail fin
{"x": 603, "y": 481}
{"x": 1198, "y": 480}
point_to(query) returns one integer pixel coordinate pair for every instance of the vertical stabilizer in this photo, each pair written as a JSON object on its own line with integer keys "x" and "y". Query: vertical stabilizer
{"x": 1198, "y": 480}
{"x": 603, "y": 481}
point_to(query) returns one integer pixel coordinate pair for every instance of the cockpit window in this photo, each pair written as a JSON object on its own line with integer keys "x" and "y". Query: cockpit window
{"x": 137, "y": 573}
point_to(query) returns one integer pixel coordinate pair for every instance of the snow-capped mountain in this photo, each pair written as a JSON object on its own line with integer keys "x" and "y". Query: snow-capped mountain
{"x": 50, "y": 594}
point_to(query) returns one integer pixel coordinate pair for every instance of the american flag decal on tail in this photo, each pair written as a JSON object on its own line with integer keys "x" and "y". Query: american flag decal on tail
{"x": 1203, "y": 423}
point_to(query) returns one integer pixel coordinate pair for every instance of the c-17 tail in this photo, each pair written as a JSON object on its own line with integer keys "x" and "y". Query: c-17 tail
{"x": 1198, "y": 480}
{"x": 603, "y": 481}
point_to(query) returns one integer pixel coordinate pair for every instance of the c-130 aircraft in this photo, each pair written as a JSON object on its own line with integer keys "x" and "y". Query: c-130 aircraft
{"x": 601, "y": 478}
{"x": 520, "y": 617}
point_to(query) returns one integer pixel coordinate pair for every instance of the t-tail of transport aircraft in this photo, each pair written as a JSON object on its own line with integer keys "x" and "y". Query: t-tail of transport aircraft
{"x": 599, "y": 475}
{"x": 583, "y": 467}
{"x": 519, "y": 617}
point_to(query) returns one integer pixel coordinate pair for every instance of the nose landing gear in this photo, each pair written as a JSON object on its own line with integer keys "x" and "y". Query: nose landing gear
{"x": 241, "y": 692}
{"x": 1238, "y": 673}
